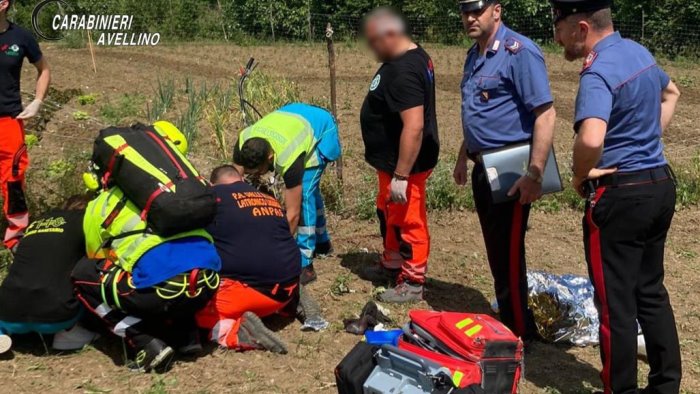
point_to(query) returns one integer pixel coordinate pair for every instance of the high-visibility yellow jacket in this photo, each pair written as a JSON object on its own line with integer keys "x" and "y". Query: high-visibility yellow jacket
{"x": 290, "y": 135}
{"x": 114, "y": 229}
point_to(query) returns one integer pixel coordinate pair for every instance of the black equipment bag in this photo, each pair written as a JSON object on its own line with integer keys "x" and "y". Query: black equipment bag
{"x": 156, "y": 177}
{"x": 353, "y": 371}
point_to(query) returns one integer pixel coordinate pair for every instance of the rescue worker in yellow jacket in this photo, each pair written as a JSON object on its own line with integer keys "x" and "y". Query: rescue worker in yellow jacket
{"x": 296, "y": 141}
{"x": 144, "y": 287}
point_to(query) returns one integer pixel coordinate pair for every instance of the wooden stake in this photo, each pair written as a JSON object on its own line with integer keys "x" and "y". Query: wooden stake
{"x": 92, "y": 52}
{"x": 223, "y": 19}
{"x": 334, "y": 105}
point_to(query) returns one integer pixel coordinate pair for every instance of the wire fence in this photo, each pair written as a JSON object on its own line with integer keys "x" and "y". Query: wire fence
{"x": 680, "y": 39}
{"x": 237, "y": 21}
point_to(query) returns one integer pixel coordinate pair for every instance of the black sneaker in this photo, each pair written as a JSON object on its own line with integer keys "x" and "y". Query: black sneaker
{"x": 253, "y": 334}
{"x": 155, "y": 356}
{"x": 308, "y": 274}
{"x": 323, "y": 249}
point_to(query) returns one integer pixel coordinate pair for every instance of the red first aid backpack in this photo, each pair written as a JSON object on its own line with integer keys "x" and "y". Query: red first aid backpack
{"x": 476, "y": 348}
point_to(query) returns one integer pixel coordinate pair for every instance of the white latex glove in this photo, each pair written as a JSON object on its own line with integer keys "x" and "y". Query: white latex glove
{"x": 31, "y": 110}
{"x": 398, "y": 191}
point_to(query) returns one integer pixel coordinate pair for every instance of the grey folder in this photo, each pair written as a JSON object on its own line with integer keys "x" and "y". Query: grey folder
{"x": 506, "y": 165}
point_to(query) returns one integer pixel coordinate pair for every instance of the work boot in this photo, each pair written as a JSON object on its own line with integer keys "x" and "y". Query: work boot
{"x": 308, "y": 274}
{"x": 405, "y": 292}
{"x": 5, "y": 343}
{"x": 323, "y": 250}
{"x": 192, "y": 346}
{"x": 377, "y": 273}
{"x": 253, "y": 334}
{"x": 155, "y": 356}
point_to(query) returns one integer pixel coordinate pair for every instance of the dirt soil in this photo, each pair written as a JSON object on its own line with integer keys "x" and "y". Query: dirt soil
{"x": 459, "y": 277}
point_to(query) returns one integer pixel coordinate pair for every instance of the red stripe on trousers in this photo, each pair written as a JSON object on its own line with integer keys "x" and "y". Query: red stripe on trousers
{"x": 596, "y": 261}
{"x": 515, "y": 259}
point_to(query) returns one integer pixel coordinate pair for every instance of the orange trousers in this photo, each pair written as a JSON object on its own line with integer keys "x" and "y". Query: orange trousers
{"x": 13, "y": 165}
{"x": 222, "y": 315}
{"x": 404, "y": 228}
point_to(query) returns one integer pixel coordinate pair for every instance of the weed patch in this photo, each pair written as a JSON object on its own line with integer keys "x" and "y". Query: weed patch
{"x": 126, "y": 107}
{"x": 87, "y": 99}
{"x": 442, "y": 191}
{"x": 688, "y": 183}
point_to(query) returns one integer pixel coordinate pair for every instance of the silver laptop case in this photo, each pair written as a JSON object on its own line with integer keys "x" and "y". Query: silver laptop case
{"x": 506, "y": 165}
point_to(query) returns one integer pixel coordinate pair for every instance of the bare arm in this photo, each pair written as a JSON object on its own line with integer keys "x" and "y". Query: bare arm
{"x": 543, "y": 137}
{"x": 588, "y": 149}
{"x": 43, "y": 78}
{"x": 669, "y": 100}
{"x": 588, "y": 146}
{"x": 411, "y": 139}
{"x": 292, "y": 202}
{"x": 460, "y": 171}
{"x": 42, "y": 87}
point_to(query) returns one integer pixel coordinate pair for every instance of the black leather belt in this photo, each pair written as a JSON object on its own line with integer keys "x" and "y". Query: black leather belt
{"x": 655, "y": 175}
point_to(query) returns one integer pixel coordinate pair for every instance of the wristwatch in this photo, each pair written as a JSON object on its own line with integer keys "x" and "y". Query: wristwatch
{"x": 537, "y": 178}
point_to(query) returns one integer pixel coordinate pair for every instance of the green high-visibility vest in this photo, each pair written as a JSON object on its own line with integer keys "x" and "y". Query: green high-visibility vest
{"x": 114, "y": 229}
{"x": 289, "y": 135}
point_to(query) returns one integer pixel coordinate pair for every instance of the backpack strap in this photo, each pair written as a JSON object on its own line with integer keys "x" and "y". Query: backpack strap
{"x": 108, "y": 242}
{"x": 153, "y": 196}
{"x": 115, "y": 212}
{"x": 112, "y": 164}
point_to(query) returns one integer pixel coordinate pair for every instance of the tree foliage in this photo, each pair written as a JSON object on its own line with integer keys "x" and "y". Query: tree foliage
{"x": 669, "y": 25}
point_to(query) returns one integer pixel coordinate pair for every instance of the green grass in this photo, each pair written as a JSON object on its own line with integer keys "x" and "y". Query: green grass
{"x": 87, "y": 99}
{"x": 162, "y": 100}
{"x": 60, "y": 168}
{"x": 444, "y": 195}
{"x": 442, "y": 191}
{"x": 31, "y": 140}
{"x": 268, "y": 93}
{"x": 190, "y": 117}
{"x": 688, "y": 183}
{"x": 80, "y": 115}
{"x": 333, "y": 194}
{"x": 219, "y": 113}
{"x": 125, "y": 107}
{"x": 341, "y": 284}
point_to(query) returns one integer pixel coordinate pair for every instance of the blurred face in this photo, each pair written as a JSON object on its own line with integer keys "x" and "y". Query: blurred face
{"x": 382, "y": 38}
{"x": 4, "y": 6}
{"x": 572, "y": 34}
{"x": 482, "y": 23}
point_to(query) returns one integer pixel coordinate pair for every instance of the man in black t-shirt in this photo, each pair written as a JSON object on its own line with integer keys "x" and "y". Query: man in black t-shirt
{"x": 16, "y": 44}
{"x": 259, "y": 265}
{"x": 37, "y": 294}
{"x": 399, "y": 129}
